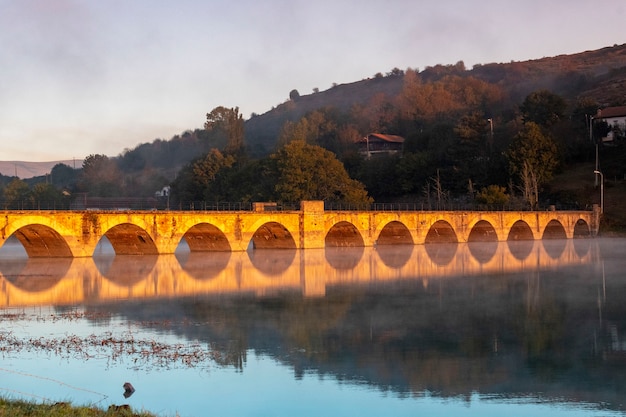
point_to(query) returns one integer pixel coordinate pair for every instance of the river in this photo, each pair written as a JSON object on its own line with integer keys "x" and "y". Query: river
{"x": 517, "y": 329}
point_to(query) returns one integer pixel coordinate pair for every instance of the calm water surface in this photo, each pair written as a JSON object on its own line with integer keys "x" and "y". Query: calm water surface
{"x": 532, "y": 328}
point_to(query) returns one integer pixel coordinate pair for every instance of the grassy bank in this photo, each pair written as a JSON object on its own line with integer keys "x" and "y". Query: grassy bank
{"x": 19, "y": 408}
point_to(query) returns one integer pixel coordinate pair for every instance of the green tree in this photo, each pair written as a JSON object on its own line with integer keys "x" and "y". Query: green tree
{"x": 543, "y": 108}
{"x": 309, "y": 172}
{"x": 493, "y": 195}
{"x": 229, "y": 122}
{"x": 63, "y": 176}
{"x": 100, "y": 177}
{"x": 206, "y": 171}
{"x": 16, "y": 193}
{"x": 46, "y": 196}
{"x": 533, "y": 157}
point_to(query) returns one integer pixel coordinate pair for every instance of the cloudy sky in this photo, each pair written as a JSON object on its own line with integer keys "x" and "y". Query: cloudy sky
{"x": 80, "y": 77}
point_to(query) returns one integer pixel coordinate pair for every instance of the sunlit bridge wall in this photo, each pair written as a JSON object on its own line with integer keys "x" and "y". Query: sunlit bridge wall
{"x": 77, "y": 234}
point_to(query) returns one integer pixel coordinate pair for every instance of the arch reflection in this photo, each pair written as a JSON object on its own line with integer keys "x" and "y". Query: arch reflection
{"x": 483, "y": 252}
{"x": 582, "y": 246}
{"x": 203, "y": 265}
{"x": 29, "y": 281}
{"x": 272, "y": 262}
{"x": 553, "y": 247}
{"x": 35, "y": 274}
{"x": 343, "y": 257}
{"x": 441, "y": 253}
{"x": 521, "y": 249}
{"x": 125, "y": 270}
{"x": 395, "y": 256}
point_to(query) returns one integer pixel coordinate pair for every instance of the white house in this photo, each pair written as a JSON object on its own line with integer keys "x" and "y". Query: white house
{"x": 615, "y": 118}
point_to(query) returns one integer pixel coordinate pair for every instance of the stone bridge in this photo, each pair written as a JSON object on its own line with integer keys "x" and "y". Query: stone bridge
{"x": 77, "y": 233}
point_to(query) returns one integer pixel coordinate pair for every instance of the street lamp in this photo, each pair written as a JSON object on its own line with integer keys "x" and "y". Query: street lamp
{"x": 601, "y": 190}
{"x": 490, "y": 133}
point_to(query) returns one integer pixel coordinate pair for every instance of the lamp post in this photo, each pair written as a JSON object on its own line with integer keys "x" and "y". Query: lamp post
{"x": 601, "y": 190}
{"x": 490, "y": 133}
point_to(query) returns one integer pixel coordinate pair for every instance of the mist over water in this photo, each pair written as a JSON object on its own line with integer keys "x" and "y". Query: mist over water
{"x": 520, "y": 328}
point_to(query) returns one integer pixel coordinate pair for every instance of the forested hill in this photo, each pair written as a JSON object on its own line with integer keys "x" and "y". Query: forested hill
{"x": 465, "y": 130}
{"x": 599, "y": 76}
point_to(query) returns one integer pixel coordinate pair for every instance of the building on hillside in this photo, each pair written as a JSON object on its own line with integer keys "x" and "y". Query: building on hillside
{"x": 615, "y": 119}
{"x": 379, "y": 144}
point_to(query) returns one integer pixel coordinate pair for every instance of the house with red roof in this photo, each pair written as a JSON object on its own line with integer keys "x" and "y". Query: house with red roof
{"x": 380, "y": 144}
{"x": 615, "y": 118}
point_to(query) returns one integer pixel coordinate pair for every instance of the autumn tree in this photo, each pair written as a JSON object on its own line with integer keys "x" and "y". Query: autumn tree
{"x": 309, "y": 172}
{"x": 318, "y": 127}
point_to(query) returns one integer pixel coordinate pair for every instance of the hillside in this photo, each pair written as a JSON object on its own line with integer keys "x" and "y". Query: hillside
{"x": 598, "y": 75}
{"x": 23, "y": 169}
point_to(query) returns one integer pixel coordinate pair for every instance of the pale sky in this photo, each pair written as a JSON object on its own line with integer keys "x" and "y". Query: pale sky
{"x": 81, "y": 77}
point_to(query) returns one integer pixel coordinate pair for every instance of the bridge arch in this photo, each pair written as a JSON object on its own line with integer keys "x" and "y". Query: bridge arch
{"x": 554, "y": 230}
{"x": 206, "y": 237}
{"x": 395, "y": 233}
{"x": 441, "y": 232}
{"x": 520, "y": 230}
{"x": 273, "y": 235}
{"x": 343, "y": 234}
{"x": 42, "y": 241}
{"x": 130, "y": 239}
{"x": 483, "y": 231}
{"x": 582, "y": 229}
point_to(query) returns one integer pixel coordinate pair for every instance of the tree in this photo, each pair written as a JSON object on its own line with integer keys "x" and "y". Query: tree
{"x": 533, "y": 157}
{"x": 543, "y": 108}
{"x": 63, "y": 176}
{"x": 493, "y": 195}
{"x": 309, "y": 172}
{"x": 229, "y": 122}
{"x": 100, "y": 177}
{"x": 207, "y": 169}
{"x": 294, "y": 95}
{"x": 45, "y": 196}
{"x": 16, "y": 193}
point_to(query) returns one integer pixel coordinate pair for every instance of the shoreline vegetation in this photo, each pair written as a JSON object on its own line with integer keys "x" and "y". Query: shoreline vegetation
{"x": 23, "y": 408}
{"x": 146, "y": 353}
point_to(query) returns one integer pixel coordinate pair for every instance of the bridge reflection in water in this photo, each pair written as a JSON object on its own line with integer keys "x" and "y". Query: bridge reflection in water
{"x": 66, "y": 281}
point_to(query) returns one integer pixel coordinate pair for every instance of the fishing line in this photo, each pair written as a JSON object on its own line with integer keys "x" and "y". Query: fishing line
{"x": 44, "y": 378}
